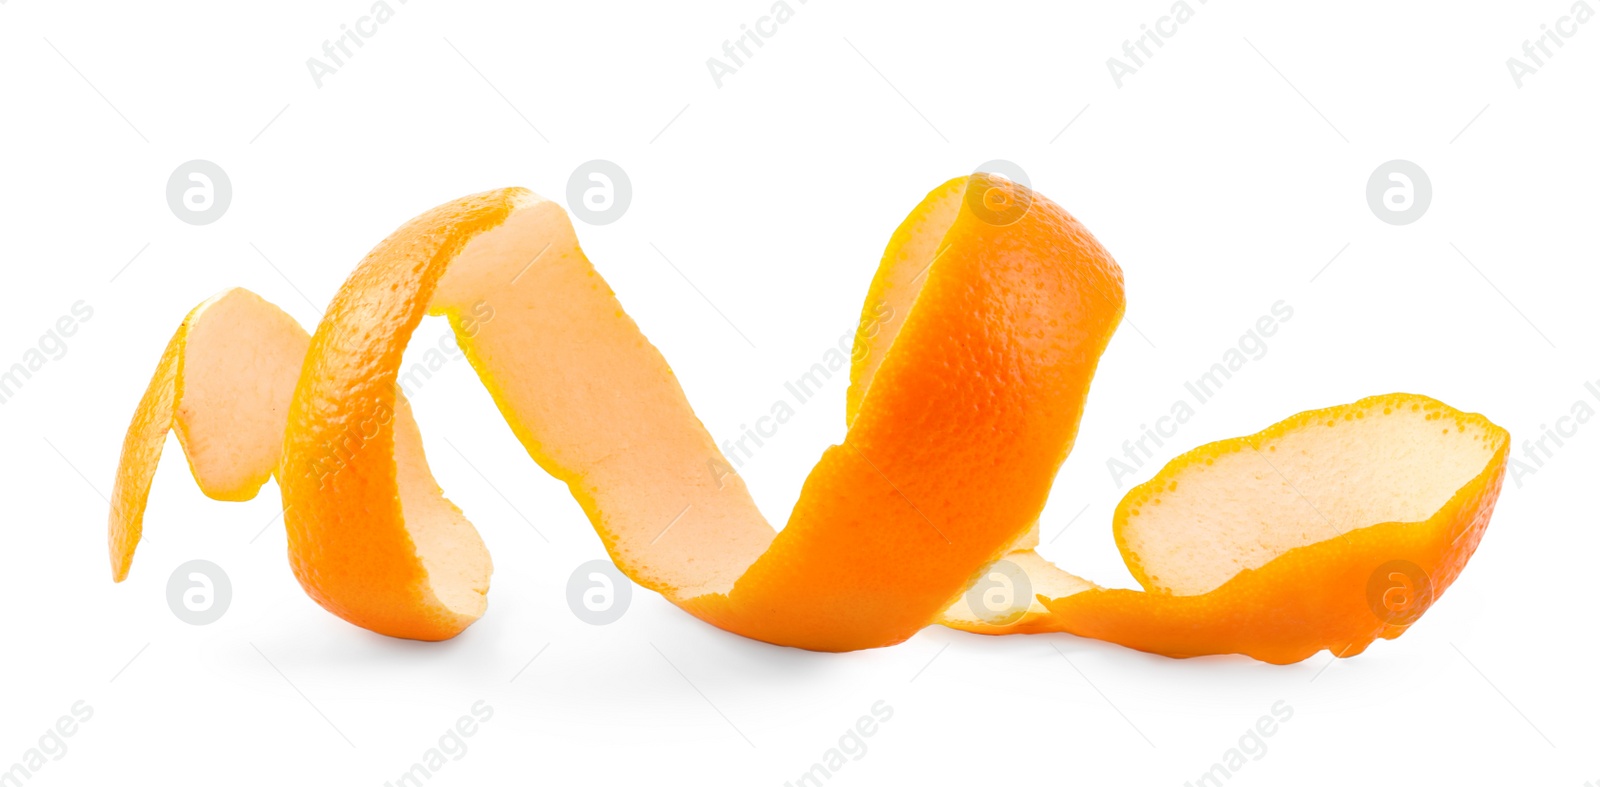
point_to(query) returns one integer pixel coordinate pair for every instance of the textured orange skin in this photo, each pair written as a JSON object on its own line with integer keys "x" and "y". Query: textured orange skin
{"x": 955, "y": 445}
{"x": 141, "y": 452}
{"x": 979, "y": 404}
{"x": 954, "y": 442}
{"x": 348, "y": 544}
{"x": 1307, "y": 599}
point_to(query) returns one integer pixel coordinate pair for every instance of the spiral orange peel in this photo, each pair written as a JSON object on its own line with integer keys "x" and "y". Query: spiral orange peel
{"x": 959, "y": 416}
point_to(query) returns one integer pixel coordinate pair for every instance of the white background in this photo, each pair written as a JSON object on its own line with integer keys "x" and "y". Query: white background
{"x": 1224, "y": 176}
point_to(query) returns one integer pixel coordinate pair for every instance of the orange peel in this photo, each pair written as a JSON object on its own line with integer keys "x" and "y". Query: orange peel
{"x": 1323, "y": 532}
{"x": 959, "y": 416}
{"x": 223, "y": 384}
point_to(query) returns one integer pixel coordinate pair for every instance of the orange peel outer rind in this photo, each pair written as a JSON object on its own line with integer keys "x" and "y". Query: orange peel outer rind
{"x": 956, "y": 438}
{"x": 341, "y": 477}
{"x": 960, "y": 413}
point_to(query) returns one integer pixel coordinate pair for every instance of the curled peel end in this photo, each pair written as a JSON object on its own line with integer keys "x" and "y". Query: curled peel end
{"x": 222, "y": 384}
{"x": 1323, "y": 532}
{"x": 141, "y": 452}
